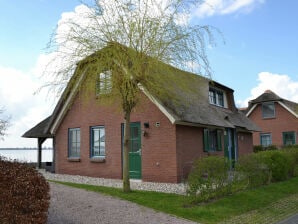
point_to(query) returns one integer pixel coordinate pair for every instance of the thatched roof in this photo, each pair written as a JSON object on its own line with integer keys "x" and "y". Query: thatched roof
{"x": 40, "y": 130}
{"x": 270, "y": 96}
{"x": 185, "y": 100}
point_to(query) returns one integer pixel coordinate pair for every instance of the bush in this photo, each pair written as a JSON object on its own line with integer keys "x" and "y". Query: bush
{"x": 260, "y": 148}
{"x": 252, "y": 170}
{"x": 209, "y": 179}
{"x": 291, "y": 152}
{"x": 24, "y": 194}
{"x": 266, "y": 167}
{"x": 278, "y": 163}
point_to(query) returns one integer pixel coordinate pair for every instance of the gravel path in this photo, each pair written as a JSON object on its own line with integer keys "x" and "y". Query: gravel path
{"x": 73, "y": 206}
{"x": 135, "y": 185}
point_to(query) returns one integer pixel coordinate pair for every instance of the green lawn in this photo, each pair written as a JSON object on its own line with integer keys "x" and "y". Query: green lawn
{"x": 269, "y": 203}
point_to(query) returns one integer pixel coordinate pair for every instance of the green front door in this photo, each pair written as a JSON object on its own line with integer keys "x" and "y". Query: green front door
{"x": 229, "y": 139}
{"x": 135, "y": 151}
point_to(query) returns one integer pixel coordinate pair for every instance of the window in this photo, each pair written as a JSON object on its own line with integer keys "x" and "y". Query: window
{"x": 104, "y": 83}
{"x": 212, "y": 140}
{"x": 268, "y": 110}
{"x": 74, "y": 142}
{"x": 216, "y": 97}
{"x": 266, "y": 139}
{"x": 289, "y": 138}
{"x": 98, "y": 141}
{"x": 212, "y": 97}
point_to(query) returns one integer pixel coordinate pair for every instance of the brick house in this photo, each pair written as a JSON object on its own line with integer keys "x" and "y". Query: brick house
{"x": 166, "y": 135}
{"x": 277, "y": 118}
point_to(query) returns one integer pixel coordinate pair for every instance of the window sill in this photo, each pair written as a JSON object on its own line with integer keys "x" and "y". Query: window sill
{"x": 74, "y": 159}
{"x": 98, "y": 160}
{"x": 268, "y": 118}
{"x": 218, "y": 105}
{"x": 210, "y": 153}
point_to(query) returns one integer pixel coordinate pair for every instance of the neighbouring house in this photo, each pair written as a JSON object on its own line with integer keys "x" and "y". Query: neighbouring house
{"x": 277, "y": 118}
{"x": 167, "y": 135}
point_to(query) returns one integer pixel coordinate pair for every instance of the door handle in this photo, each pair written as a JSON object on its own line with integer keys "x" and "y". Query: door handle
{"x": 140, "y": 152}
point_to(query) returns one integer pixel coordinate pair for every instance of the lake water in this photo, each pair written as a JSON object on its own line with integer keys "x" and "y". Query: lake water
{"x": 27, "y": 155}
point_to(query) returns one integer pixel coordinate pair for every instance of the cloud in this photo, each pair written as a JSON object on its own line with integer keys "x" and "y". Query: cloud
{"x": 223, "y": 7}
{"x": 25, "y": 108}
{"x": 280, "y": 84}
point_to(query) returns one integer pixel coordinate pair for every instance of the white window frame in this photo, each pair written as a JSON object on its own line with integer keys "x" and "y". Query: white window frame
{"x": 214, "y": 97}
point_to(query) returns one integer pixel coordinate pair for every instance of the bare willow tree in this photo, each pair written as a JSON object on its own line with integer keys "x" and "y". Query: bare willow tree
{"x": 4, "y": 123}
{"x": 137, "y": 35}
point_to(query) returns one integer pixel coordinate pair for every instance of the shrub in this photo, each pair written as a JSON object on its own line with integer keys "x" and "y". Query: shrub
{"x": 278, "y": 163}
{"x": 291, "y": 152}
{"x": 265, "y": 167}
{"x": 209, "y": 179}
{"x": 270, "y": 148}
{"x": 260, "y": 148}
{"x": 253, "y": 171}
{"x": 24, "y": 194}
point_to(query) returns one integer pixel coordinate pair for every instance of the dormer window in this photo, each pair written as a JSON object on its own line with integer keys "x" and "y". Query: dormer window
{"x": 216, "y": 97}
{"x": 104, "y": 83}
{"x": 268, "y": 110}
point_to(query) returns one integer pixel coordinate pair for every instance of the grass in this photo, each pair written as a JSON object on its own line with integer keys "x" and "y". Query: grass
{"x": 273, "y": 202}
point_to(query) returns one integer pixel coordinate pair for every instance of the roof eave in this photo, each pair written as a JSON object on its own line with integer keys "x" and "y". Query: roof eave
{"x": 61, "y": 109}
{"x": 288, "y": 109}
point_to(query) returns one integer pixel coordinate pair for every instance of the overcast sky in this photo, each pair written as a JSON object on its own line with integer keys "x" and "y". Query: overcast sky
{"x": 258, "y": 51}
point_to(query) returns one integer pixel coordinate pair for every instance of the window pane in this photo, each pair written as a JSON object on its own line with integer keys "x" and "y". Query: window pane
{"x": 266, "y": 139}
{"x": 268, "y": 110}
{"x": 289, "y": 138}
{"x": 134, "y": 146}
{"x": 216, "y": 97}
{"x": 220, "y": 99}
{"x": 213, "y": 140}
{"x": 74, "y": 142}
{"x": 212, "y": 97}
{"x": 102, "y": 142}
{"x": 97, "y": 141}
{"x": 104, "y": 83}
{"x": 134, "y": 132}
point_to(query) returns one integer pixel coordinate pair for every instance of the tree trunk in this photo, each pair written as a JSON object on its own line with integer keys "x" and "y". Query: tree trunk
{"x": 126, "y": 182}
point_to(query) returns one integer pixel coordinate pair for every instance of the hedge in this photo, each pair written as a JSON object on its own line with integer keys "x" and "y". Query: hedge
{"x": 213, "y": 177}
{"x": 24, "y": 194}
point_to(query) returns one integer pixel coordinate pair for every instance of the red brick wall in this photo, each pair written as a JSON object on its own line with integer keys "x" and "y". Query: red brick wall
{"x": 284, "y": 121}
{"x": 189, "y": 148}
{"x": 158, "y": 146}
{"x": 245, "y": 143}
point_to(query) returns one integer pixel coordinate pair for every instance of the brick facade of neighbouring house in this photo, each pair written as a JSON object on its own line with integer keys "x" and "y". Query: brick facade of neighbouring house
{"x": 277, "y": 119}
{"x": 283, "y": 121}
